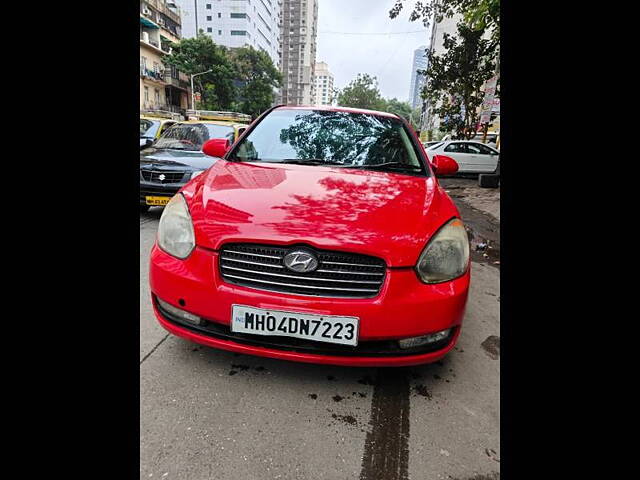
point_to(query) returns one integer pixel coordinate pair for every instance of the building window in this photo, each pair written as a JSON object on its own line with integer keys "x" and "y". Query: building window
{"x": 219, "y": 15}
{"x": 146, "y": 94}
{"x": 219, "y": 32}
{"x": 209, "y": 18}
{"x": 238, "y": 32}
{"x": 157, "y": 96}
{"x": 238, "y": 15}
{"x": 209, "y": 29}
{"x": 208, "y": 6}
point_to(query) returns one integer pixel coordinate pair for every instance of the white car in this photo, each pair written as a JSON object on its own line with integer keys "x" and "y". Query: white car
{"x": 472, "y": 157}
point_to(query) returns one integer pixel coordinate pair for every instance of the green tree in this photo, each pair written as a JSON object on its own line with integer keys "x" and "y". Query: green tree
{"x": 457, "y": 77}
{"x": 478, "y": 14}
{"x": 404, "y": 110}
{"x": 362, "y": 92}
{"x": 199, "y": 54}
{"x": 258, "y": 76}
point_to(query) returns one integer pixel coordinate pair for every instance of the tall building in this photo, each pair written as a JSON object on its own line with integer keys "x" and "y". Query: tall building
{"x": 420, "y": 62}
{"x": 161, "y": 87}
{"x": 298, "y": 43}
{"x": 324, "y": 84}
{"x": 448, "y": 25}
{"x": 235, "y": 23}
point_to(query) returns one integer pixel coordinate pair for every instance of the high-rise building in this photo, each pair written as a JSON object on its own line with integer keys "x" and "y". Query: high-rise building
{"x": 298, "y": 43}
{"x": 324, "y": 84}
{"x": 235, "y": 23}
{"x": 420, "y": 61}
{"x": 161, "y": 87}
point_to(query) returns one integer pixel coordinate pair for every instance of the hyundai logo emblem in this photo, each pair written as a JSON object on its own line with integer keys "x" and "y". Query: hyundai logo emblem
{"x": 301, "y": 261}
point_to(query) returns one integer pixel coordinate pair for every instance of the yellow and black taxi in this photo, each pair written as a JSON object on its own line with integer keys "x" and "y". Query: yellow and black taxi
{"x": 153, "y": 123}
{"x": 176, "y": 157}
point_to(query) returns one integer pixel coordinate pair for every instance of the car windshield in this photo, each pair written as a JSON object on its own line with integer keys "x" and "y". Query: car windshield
{"x": 434, "y": 146}
{"x": 148, "y": 128}
{"x": 191, "y": 136}
{"x": 342, "y": 139}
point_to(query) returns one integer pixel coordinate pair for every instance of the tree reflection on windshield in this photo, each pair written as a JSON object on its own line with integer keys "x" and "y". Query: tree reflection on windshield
{"x": 349, "y": 139}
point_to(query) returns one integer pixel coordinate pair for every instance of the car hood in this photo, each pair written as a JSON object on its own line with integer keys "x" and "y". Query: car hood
{"x": 387, "y": 215}
{"x": 161, "y": 157}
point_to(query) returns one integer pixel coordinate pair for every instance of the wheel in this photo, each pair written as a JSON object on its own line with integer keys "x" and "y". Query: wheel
{"x": 489, "y": 180}
{"x": 144, "y": 208}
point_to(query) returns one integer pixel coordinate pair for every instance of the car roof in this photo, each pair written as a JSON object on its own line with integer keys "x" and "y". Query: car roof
{"x": 158, "y": 119}
{"x": 330, "y": 108}
{"x": 215, "y": 122}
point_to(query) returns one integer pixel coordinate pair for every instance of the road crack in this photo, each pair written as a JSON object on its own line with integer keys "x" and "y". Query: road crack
{"x": 154, "y": 348}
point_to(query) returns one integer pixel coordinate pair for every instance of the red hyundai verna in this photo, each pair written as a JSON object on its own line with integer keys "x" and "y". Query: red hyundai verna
{"x": 322, "y": 236}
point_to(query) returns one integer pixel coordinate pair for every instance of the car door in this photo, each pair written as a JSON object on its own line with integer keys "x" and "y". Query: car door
{"x": 458, "y": 151}
{"x": 483, "y": 158}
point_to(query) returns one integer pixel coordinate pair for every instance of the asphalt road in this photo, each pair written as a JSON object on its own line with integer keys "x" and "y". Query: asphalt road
{"x": 209, "y": 414}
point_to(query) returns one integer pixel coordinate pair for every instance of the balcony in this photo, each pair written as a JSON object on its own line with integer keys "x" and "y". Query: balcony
{"x": 175, "y": 82}
{"x": 158, "y": 76}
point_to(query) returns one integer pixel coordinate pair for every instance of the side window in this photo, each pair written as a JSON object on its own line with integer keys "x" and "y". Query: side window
{"x": 455, "y": 148}
{"x": 480, "y": 149}
{"x": 473, "y": 149}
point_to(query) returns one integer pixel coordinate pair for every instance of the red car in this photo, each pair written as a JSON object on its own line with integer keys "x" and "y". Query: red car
{"x": 322, "y": 236}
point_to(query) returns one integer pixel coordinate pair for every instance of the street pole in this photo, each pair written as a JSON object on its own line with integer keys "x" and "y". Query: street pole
{"x": 193, "y": 96}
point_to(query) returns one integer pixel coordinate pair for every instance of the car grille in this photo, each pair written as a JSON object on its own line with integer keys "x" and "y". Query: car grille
{"x": 339, "y": 274}
{"x": 169, "y": 177}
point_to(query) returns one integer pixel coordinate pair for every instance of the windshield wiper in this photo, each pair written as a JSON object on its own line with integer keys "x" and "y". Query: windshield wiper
{"x": 387, "y": 166}
{"x": 309, "y": 161}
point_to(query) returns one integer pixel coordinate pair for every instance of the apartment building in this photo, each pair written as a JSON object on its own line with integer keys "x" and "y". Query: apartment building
{"x": 323, "y": 84}
{"x": 235, "y": 23}
{"x": 299, "y": 31}
{"x": 161, "y": 88}
{"x": 420, "y": 61}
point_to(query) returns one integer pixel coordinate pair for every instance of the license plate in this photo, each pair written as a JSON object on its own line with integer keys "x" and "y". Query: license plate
{"x": 157, "y": 200}
{"x": 321, "y": 328}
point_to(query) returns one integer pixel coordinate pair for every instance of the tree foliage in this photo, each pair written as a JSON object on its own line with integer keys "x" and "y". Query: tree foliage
{"x": 457, "y": 77}
{"x": 404, "y": 110}
{"x": 241, "y": 79}
{"x": 258, "y": 76}
{"x": 478, "y": 14}
{"x": 199, "y": 54}
{"x": 362, "y": 92}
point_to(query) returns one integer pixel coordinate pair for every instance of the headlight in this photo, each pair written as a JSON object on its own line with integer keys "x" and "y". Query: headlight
{"x": 175, "y": 231}
{"x": 196, "y": 173}
{"x": 446, "y": 256}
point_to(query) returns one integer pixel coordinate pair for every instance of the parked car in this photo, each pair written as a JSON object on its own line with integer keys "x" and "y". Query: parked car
{"x": 177, "y": 157}
{"x": 153, "y": 124}
{"x": 321, "y": 236}
{"x": 472, "y": 157}
{"x": 428, "y": 144}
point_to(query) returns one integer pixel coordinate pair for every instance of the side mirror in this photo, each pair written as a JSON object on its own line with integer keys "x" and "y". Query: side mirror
{"x": 216, "y": 147}
{"x": 444, "y": 165}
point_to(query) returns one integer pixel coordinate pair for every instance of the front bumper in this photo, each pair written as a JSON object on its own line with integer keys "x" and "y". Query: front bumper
{"x": 405, "y": 307}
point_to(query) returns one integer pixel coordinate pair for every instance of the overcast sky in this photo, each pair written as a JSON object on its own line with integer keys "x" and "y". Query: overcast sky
{"x": 388, "y": 57}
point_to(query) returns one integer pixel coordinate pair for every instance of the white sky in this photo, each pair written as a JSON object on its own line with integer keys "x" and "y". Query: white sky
{"x": 388, "y": 57}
